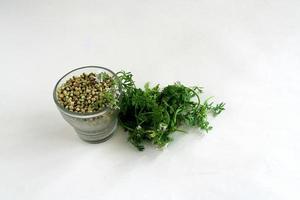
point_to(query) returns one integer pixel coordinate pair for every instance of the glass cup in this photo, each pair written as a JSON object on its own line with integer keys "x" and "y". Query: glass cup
{"x": 93, "y": 127}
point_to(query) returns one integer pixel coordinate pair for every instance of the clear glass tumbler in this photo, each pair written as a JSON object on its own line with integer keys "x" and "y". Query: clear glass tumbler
{"x": 93, "y": 127}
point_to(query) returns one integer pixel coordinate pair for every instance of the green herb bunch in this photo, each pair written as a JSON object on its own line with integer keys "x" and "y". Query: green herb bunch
{"x": 152, "y": 114}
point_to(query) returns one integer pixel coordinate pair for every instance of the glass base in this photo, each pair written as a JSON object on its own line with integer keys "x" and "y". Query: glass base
{"x": 98, "y": 141}
{"x": 97, "y": 137}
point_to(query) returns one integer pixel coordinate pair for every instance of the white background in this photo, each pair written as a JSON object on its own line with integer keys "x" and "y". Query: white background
{"x": 245, "y": 53}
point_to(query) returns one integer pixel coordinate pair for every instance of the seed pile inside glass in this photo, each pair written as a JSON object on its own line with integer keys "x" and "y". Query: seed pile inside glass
{"x": 88, "y": 93}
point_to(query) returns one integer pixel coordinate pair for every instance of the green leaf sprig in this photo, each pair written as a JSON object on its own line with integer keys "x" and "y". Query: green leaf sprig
{"x": 153, "y": 114}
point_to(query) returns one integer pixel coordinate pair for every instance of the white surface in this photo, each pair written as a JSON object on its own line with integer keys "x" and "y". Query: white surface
{"x": 245, "y": 53}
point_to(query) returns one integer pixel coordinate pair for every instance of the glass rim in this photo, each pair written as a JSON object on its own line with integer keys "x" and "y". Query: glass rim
{"x": 92, "y": 114}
